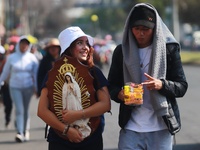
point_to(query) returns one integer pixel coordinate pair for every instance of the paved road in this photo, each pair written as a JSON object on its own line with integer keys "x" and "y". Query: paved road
{"x": 189, "y": 136}
{"x": 187, "y": 139}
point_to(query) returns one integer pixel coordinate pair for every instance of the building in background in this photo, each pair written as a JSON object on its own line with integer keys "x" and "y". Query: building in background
{"x": 2, "y": 28}
{"x": 1, "y": 11}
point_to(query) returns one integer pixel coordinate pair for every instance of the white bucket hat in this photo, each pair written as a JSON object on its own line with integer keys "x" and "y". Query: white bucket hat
{"x": 67, "y": 36}
{"x": 2, "y": 50}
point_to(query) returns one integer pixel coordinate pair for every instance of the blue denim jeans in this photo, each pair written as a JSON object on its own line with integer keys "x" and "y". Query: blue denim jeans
{"x": 21, "y": 98}
{"x": 158, "y": 140}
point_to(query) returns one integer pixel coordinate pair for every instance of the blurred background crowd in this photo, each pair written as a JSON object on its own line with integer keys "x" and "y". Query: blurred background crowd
{"x": 46, "y": 18}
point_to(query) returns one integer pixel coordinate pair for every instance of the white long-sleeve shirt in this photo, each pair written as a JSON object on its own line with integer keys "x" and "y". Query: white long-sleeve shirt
{"x": 21, "y": 68}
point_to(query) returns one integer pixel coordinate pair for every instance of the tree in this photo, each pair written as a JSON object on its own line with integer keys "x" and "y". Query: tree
{"x": 48, "y": 20}
{"x": 111, "y": 18}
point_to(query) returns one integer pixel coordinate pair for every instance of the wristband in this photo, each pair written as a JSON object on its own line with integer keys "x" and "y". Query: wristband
{"x": 65, "y": 130}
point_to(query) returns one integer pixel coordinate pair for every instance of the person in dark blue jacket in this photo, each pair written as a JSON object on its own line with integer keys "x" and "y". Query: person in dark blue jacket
{"x": 52, "y": 53}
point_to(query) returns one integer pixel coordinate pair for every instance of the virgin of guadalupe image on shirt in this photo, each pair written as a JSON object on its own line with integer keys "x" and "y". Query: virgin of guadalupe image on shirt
{"x": 71, "y": 100}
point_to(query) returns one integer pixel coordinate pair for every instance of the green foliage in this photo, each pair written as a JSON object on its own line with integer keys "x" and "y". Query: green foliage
{"x": 110, "y": 21}
{"x": 190, "y": 57}
{"x": 160, "y": 5}
{"x": 49, "y": 19}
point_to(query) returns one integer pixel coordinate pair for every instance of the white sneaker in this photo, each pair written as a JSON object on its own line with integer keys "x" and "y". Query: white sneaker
{"x": 19, "y": 138}
{"x": 27, "y": 136}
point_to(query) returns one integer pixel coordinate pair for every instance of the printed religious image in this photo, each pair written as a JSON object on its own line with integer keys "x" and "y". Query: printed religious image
{"x": 71, "y": 100}
{"x": 70, "y": 87}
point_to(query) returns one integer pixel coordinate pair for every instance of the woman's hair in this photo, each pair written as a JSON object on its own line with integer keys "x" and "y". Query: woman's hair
{"x": 89, "y": 60}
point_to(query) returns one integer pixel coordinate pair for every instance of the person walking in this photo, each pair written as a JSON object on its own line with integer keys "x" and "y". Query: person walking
{"x": 22, "y": 68}
{"x": 149, "y": 55}
{"x": 52, "y": 54}
{"x": 76, "y": 44}
{"x": 36, "y": 52}
{"x": 7, "y": 102}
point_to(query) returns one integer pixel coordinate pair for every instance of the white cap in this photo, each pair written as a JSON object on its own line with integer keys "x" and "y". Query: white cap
{"x": 67, "y": 36}
{"x": 2, "y": 50}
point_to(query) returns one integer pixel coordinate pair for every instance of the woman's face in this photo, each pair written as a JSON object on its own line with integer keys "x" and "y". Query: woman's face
{"x": 68, "y": 78}
{"x": 81, "y": 49}
{"x": 23, "y": 45}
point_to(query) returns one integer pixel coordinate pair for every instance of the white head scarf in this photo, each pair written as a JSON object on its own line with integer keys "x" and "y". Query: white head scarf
{"x": 24, "y": 37}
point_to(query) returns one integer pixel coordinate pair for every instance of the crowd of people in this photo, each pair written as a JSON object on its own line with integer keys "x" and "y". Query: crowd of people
{"x": 22, "y": 69}
{"x": 21, "y": 60}
{"x": 148, "y": 55}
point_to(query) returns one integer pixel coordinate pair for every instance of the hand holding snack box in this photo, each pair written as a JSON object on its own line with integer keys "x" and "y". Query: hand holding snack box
{"x": 133, "y": 94}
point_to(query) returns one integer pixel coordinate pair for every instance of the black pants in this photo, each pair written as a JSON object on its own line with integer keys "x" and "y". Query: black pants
{"x": 97, "y": 144}
{"x": 7, "y": 103}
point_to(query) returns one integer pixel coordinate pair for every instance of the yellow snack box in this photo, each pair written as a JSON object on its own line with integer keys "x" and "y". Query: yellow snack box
{"x": 133, "y": 94}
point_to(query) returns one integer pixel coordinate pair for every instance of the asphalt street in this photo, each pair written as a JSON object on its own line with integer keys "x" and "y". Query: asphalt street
{"x": 187, "y": 139}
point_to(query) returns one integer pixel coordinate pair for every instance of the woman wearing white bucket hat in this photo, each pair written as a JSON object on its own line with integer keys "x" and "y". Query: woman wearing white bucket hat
{"x": 67, "y": 36}
{"x": 75, "y": 43}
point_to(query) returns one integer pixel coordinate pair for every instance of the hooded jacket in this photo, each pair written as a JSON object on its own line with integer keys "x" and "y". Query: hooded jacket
{"x": 21, "y": 68}
{"x": 125, "y": 67}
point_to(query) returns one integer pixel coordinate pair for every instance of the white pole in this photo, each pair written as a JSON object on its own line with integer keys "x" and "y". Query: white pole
{"x": 176, "y": 25}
